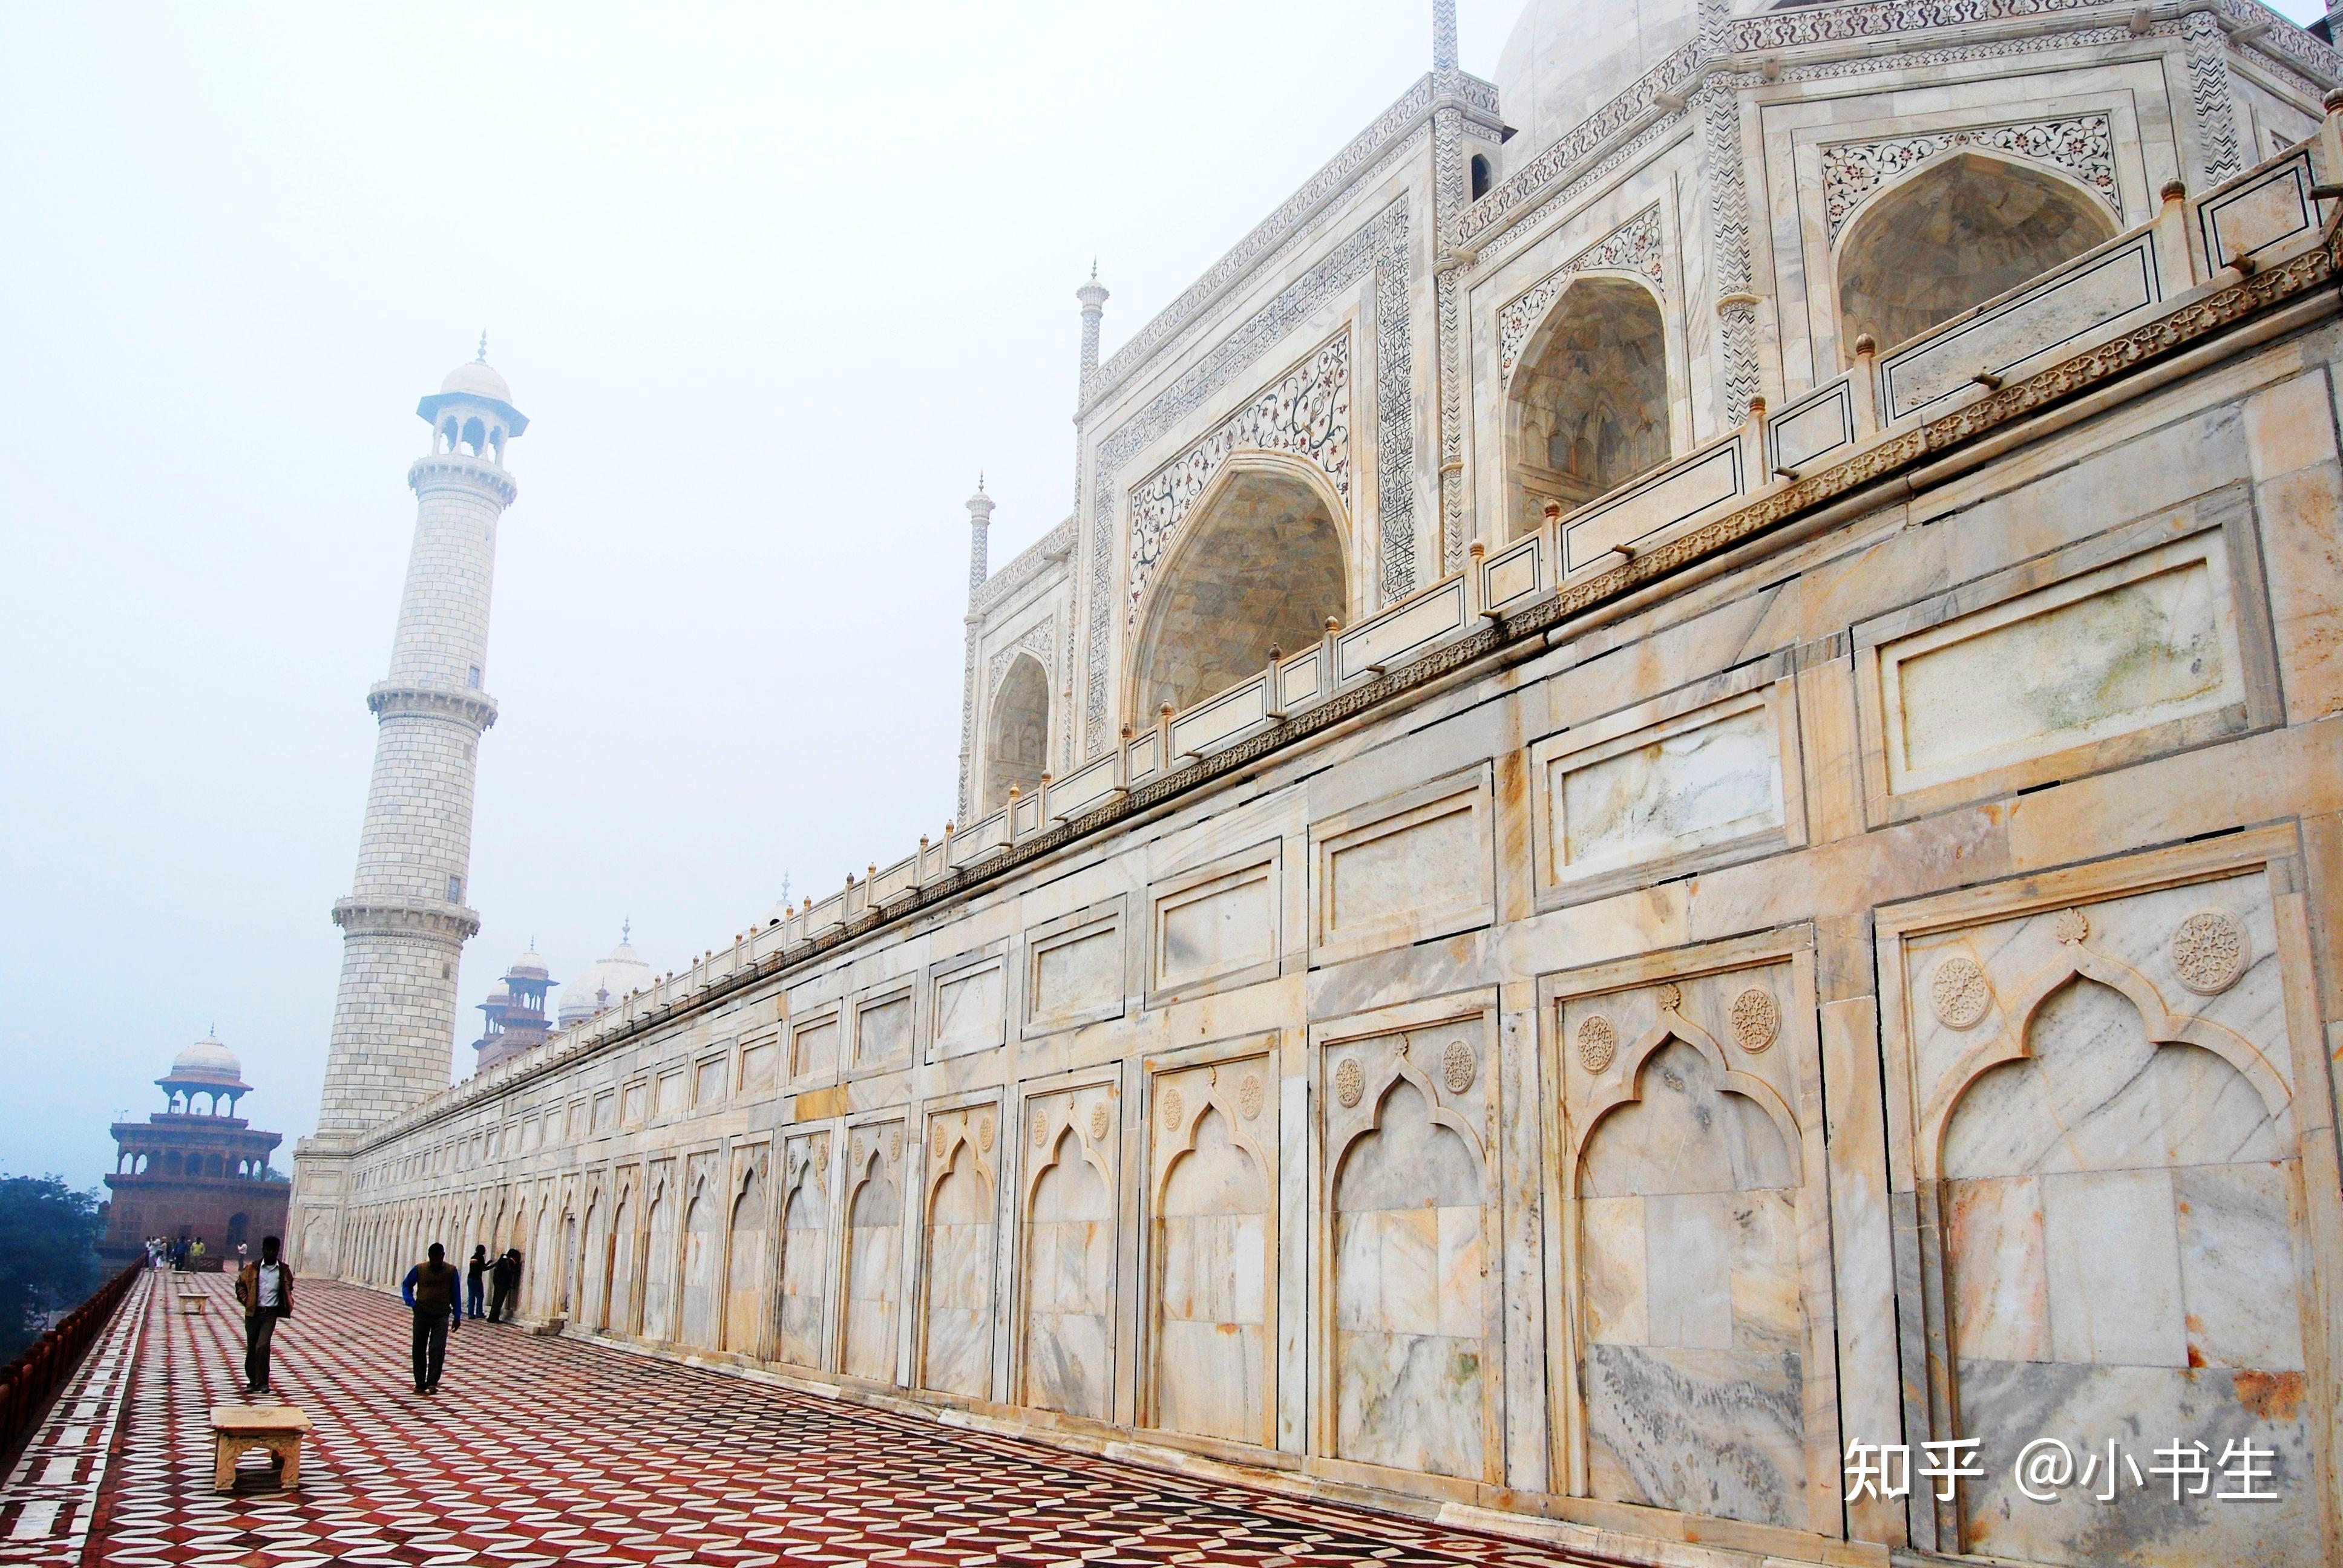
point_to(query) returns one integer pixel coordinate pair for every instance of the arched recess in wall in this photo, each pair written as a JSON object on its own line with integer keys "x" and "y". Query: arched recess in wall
{"x": 1017, "y": 732}
{"x": 1964, "y": 228}
{"x": 1262, "y": 559}
{"x": 1588, "y": 410}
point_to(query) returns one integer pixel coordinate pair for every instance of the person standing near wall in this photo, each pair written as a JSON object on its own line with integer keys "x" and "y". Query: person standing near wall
{"x": 472, "y": 1287}
{"x": 431, "y": 1287}
{"x": 505, "y": 1305}
{"x": 264, "y": 1290}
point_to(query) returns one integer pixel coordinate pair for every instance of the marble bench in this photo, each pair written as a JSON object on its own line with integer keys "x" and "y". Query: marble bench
{"x": 279, "y": 1428}
{"x": 191, "y": 1302}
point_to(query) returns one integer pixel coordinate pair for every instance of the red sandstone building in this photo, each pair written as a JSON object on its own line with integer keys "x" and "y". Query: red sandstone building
{"x": 184, "y": 1173}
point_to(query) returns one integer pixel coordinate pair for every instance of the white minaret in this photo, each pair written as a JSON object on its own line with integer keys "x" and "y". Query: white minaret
{"x": 405, "y": 922}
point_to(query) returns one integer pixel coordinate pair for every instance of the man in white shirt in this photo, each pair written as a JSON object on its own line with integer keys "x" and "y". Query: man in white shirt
{"x": 266, "y": 1290}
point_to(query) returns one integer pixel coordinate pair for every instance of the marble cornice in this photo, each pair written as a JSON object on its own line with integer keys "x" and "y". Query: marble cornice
{"x": 455, "y": 470}
{"x": 2198, "y": 322}
{"x": 475, "y": 708}
{"x": 1030, "y": 562}
{"x": 427, "y": 918}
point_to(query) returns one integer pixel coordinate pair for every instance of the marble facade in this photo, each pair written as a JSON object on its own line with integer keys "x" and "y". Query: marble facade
{"x": 1857, "y": 966}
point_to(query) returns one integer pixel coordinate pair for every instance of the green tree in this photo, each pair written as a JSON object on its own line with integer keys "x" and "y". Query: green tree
{"x": 49, "y": 1255}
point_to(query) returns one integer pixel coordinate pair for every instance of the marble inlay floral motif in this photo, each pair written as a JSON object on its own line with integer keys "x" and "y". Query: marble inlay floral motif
{"x": 2081, "y": 145}
{"x": 1633, "y": 247}
{"x": 1305, "y": 412}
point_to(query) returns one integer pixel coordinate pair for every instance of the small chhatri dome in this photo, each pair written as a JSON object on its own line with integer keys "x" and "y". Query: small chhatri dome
{"x": 207, "y": 1058}
{"x": 620, "y": 970}
{"x": 478, "y": 378}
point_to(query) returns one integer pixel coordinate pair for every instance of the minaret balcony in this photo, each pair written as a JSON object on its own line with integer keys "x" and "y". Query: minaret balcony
{"x": 410, "y": 917}
{"x": 461, "y": 470}
{"x": 476, "y": 708}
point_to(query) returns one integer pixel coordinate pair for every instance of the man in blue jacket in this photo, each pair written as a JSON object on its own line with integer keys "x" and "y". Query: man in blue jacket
{"x": 434, "y": 1288}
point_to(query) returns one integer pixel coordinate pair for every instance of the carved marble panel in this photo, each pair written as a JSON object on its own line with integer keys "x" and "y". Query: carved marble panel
{"x": 798, "y": 1336}
{"x": 1701, "y": 1302}
{"x": 968, "y": 1001}
{"x": 1075, "y": 970}
{"x": 955, "y": 1279}
{"x": 2142, "y": 639}
{"x": 2101, "y": 1101}
{"x": 703, "y": 1250}
{"x": 813, "y": 1046}
{"x": 874, "y": 1250}
{"x": 744, "y": 1258}
{"x": 1692, "y": 778}
{"x": 1066, "y": 1273}
{"x": 1419, "y": 864}
{"x": 1213, "y": 1210}
{"x": 1410, "y": 1354}
{"x": 1633, "y": 247}
{"x": 1216, "y": 926}
{"x": 2082, "y": 146}
{"x": 882, "y": 1028}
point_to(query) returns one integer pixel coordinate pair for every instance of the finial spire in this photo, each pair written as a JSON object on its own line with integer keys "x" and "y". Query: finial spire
{"x": 482, "y": 358}
{"x": 626, "y": 931}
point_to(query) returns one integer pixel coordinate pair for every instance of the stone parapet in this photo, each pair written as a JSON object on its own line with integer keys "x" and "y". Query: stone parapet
{"x": 390, "y": 699}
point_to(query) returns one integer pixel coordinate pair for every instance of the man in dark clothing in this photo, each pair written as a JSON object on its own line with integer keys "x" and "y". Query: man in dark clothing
{"x": 266, "y": 1290}
{"x": 505, "y": 1305}
{"x": 431, "y": 1287}
{"x": 472, "y": 1272}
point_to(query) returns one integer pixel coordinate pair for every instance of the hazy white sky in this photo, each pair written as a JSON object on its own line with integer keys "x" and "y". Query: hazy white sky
{"x": 772, "y": 284}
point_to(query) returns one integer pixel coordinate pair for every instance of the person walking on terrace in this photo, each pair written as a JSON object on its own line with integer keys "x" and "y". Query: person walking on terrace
{"x": 432, "y": 1289}
{"x": 264, "y": 1290}
{"x": 472, "y": 1272}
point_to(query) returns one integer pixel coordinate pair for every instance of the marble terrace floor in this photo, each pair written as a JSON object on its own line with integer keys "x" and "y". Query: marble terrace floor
{"x": 551, "y": 1452}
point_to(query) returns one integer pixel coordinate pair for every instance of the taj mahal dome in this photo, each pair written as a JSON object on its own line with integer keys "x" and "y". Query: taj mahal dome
{"x": 1668, "y": 821}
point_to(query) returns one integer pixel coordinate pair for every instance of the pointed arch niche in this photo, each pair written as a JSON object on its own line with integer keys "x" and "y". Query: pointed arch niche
{"x": 1409, "y": 1345}
{"x": 1587, "y": 408}
{"x": 1065, "y": 1356}
{"x": 1961, "y": 230}
{"x": 744, "y": 1257}
{"x": 1212, "y": 1253}
{"x": 1016, "y": 732}
{"x": 874, "y": 1252}
{"x": 956, "y": 1284}
{"x": 1263, "y": 558}
{"x": 2113, "y": 1196}
{"x": 1696, "y": 1301}
{"x": 798, "y": 1337}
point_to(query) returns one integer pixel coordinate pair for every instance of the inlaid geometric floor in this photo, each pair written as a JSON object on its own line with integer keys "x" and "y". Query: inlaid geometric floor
{"x": 553, "y": 1451}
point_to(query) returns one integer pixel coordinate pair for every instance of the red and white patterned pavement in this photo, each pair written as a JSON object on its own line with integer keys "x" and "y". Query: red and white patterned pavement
{"x": 542, "y": 1451}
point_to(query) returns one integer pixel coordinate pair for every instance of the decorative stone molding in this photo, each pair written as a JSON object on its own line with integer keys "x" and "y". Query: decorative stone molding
{"x": 2209, "y": 951}
{"x": 445, "y": 468}
{"x": 451, "y": 923}
{"x": 1756, "y": 1019}
{"x": 1101, "y": 1123}
{"x": 2206, "y": 48}
{"x": 1718, "y": 109}
{"x": 1598, "y": 1043}
{"x": 1030, "y": 562}
{"x": 476, "y": 709}
{"x": 1249, "y": 1096}
{"x": 1379, "y": 247}
{"x": 1959, "y": 994}
{"x": 1459, "y": 1066}
{"x": 2081, "y": 145}
{"x": 1306, "y": 412}
{"x": 1633, "y": 247}
{"x": 1173, "y": 1108}
{"x": 1350, "y": 1081}
{"x": 1038, "y": 640}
